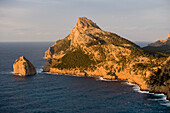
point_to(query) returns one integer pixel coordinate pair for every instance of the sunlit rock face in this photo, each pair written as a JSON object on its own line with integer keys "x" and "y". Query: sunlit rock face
{"x": 23, "y": 67}
{"x": 89, "y": 50}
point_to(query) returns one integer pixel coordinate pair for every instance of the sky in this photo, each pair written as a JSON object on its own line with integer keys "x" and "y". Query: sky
{"x": 51, "y": 20}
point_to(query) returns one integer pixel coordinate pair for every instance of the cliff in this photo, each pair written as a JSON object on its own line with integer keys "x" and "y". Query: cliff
{"x": 23, "y": 67}
{"x": 160, "y": 46}
{"x": 88, "y": 50}
{"x": 161, "y": 42}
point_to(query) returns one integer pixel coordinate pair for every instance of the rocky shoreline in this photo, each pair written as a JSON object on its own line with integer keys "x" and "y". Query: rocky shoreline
{"x": 77, "y": 73}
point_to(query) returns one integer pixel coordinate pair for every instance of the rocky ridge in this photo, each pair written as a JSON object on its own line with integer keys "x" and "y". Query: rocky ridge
{"x": 160, "y": 43}
{"x": 23, "y": 67}
{"x": 162, "y": 46}
{"x": 88, "y": 50}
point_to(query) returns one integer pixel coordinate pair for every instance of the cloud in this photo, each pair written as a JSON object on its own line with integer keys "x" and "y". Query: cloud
{"x": 54, "y": 18}
{"x": 106, "y": 27}
{"x": 13, "y": 12}
{"x": 23, "y": 29}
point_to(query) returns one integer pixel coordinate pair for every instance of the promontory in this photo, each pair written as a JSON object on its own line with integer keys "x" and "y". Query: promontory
{"x": 160, "y": 46}
{"x": 23, "y": 67}
{"x": 89, "y": 50}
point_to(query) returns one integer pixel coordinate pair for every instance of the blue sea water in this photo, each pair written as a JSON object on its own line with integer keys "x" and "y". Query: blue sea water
{"x": 56, "y": 93}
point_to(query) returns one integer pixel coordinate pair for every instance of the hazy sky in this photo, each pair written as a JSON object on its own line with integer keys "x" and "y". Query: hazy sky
{"x": 50, "y": 20}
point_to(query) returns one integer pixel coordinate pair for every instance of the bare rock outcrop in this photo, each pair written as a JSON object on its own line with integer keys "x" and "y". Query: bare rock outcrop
{"x": 46, "y": 67}
{"x": 23, "y": 67}
{"x": 83, "y": 22}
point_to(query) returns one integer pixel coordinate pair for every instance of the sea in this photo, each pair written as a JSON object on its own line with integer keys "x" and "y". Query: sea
{"x": 57, "y": 93}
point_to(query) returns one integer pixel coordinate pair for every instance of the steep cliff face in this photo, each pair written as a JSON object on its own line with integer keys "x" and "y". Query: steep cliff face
{"x": 23, "y": 67}
{"x": 88, "y": 50}
{"x": 160, "y": 81}
{"x": 86, "y": 35}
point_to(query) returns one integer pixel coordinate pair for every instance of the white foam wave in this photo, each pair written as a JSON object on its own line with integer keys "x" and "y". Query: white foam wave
{"x": 166, "y": 104}
{"x": 136, "y": 88}
{"x": 62, "y": 74}
{"x": 163, "y": 98}
{"x": 6, "y": 73}
{"x": 51, "y": 73}
{"x": 73, "y": 75}
{"x": 102, "y": 79}
{"x": 19, "y": 74}
{"x": 158, "y": 99}
{"x": 131, "y": 84}
{"x": 39, "y": 70}
{"x": 16, "y": 74}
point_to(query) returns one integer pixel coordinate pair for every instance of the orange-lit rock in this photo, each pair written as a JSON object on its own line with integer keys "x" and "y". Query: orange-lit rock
{"x": 90, "y": 51}
{"x": 23, "y": 67}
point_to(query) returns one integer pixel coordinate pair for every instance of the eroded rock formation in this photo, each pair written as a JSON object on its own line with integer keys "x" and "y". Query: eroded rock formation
{"x": 23, "y": 67}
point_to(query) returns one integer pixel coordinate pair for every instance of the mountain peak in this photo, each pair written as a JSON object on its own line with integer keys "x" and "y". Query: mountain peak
{"x": 161, "y": 42}
{"x": 84, "y": 22}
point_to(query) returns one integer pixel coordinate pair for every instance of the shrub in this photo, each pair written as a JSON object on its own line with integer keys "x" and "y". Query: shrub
{"x": 92, "y": 43}
{"x": 140, "y": 66}
{"x": 62, "y": 45}
{"x": 75, "y": 59}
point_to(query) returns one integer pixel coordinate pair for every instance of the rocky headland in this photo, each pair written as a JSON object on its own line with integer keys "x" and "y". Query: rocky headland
{"x": 23, "y": 67}
{"x": 88, "y": 50}
{"x": 161, "y": 42}
{"x": 160, "y": 46}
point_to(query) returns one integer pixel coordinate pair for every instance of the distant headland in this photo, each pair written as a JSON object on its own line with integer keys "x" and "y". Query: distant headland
{"x": 160, "y": 46}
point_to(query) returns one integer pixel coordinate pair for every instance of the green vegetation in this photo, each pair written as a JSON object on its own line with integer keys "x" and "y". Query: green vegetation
{"x": 74, "y": 59}
{"x": 143, "y": 66}
{"x": 62, "y": 45}
{"x": 88, "y": 30}
{"x": 92, "y": 43}
{"x": 24, "y": 63}
{"x": 140, "y": 66}
{"x": 125, "y": 54}
{"x": 155, "y": 53}
{"x": 115, "y": 39}
{"x": 162, "y": 49}
{"x": 137, "y": 53}
{"x": 159, "y": 78}
{"x": 110, "y": 73}
{"x": 101, "y": 51}
{"x": 20, "y": 59}
{"x": 16, "y": 60}
{"x": 119, "y": 40}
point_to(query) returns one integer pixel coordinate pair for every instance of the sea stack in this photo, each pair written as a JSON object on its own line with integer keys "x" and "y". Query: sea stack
{"x": 23, "y": 67}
